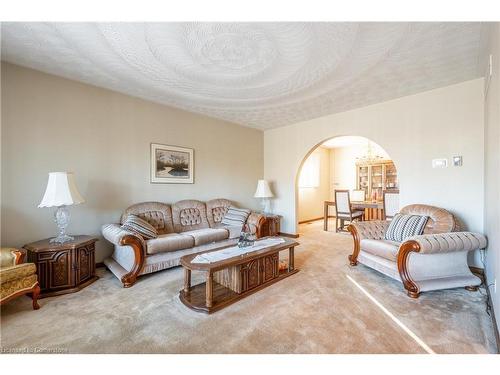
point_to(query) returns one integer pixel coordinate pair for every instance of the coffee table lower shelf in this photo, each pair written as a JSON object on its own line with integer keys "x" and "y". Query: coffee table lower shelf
{"x": 195, "y": 299}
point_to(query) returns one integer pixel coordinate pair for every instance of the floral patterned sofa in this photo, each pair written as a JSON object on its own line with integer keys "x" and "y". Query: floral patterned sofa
{"x": 17, "y": 278}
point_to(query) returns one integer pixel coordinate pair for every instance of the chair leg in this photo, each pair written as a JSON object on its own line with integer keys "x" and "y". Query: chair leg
{"x": 336, "y": 224}
{"x": 34, "y": 295}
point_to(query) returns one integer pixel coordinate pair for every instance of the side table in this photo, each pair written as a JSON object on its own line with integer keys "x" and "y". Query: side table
{"x": 271, "y": 226}
{"x": 63, "y": 268}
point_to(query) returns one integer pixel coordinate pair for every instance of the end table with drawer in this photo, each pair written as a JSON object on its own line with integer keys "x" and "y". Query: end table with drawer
{"x": 271, "y": 226}
{"x": 63, "y": 268}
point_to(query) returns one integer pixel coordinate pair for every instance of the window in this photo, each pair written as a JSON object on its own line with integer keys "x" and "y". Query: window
{"x": 309, "y": 175}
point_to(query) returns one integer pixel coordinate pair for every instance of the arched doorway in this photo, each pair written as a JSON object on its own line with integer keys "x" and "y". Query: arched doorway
{"x": 352, "y": 163}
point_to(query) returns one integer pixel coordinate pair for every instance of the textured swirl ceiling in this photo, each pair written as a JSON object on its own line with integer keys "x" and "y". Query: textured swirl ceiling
{"x": 262, "y": 75}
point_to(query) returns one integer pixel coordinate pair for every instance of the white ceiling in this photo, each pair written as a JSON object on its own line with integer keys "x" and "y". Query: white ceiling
{"x": 262, "y": 75}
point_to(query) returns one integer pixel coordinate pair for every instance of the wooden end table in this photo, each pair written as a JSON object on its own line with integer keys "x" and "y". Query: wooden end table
{"x": 271, "y": 226}
{"x": 63, "y": 268}
{"x": 232, "y": 279}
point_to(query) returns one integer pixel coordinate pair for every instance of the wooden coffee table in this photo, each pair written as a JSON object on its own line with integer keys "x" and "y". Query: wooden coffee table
{"x": 232, "y": 279}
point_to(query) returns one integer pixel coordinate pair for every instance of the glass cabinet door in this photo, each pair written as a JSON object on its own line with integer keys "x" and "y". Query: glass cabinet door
{"x": 363, "y": 179}
{"x": 391, "y": 177}
{"x": 376, "y": 181}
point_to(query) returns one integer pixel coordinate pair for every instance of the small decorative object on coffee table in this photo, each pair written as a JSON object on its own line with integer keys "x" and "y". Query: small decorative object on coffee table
{"x": 61, "y": 191}
{"x": 63, "y": 268}
{"x": 246, "y": 238}
{"x": 233, "y": 273}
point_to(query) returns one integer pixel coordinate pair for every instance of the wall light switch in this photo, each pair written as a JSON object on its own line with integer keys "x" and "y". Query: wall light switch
{"x": 457, "y": 161}
{"x": 439, "y": 163}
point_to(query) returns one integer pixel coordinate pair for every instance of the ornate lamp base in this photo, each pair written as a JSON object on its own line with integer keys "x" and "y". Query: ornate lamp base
{"x": 61, "y": 217}
{"x": 61, "y": 239}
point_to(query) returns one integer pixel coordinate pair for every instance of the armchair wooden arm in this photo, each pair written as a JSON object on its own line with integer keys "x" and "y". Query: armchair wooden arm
{"x": 374, "y": 230}
{"x": 434, "y": 244}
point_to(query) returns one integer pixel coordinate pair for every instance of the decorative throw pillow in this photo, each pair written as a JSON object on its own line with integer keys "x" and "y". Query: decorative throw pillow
{"x": 140, "y": 226}
{"x": 404, "y": 226}
{"x": 235, "y": 216}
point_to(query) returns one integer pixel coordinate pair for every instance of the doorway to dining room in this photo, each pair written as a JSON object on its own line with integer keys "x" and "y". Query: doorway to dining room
{"x": 357, "y": 168}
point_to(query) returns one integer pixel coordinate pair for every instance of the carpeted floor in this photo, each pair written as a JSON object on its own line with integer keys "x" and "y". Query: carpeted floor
{"x": 318, "y": 310}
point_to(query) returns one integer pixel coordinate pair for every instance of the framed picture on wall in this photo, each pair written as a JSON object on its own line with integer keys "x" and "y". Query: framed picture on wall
{"x": 171, "y": 164}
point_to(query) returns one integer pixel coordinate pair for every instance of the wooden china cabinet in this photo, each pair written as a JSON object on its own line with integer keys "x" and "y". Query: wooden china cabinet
{"x": 376, "y": 177}
{"x": 63, "y": 268}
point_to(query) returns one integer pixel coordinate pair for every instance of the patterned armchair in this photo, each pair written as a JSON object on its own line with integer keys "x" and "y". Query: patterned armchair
{"x": 17, "y": 278}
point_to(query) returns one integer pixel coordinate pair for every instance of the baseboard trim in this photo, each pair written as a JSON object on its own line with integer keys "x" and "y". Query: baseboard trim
{"x": 479, "y": 272}
{"x": 289, "y": 235}
{"x": 493, "y": 318}
{"x": 317, "y": 219}
{"x": 310, "y": 220}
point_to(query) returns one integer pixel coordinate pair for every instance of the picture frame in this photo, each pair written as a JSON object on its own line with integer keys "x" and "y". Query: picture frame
{"x": 171, "y": 164}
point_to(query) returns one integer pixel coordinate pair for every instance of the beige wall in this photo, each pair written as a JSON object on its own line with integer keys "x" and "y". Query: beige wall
{"x": 311, "y": 198}
{"x": 54, "y": 124}
{"x": 492, "y": 172}
{"x": 413, "y": 130}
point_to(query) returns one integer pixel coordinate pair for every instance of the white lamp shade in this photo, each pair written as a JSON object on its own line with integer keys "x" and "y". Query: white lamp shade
{"x": 61, "y": 191}
{"x": 263, "y": 190}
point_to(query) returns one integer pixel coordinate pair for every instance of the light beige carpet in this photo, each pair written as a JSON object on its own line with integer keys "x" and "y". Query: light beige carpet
{"x": 318, "y": 310}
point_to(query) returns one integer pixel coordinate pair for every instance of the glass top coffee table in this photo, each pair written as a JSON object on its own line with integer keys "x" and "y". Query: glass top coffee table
{"x": 245, "y": 271}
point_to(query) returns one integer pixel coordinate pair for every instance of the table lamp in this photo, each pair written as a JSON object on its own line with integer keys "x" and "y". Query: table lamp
{"x": 264, "y": 193}
{"x": 61, "y": 191}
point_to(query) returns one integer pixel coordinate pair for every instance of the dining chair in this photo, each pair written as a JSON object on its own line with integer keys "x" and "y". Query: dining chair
{"x": 344, "y": 210}
{"x": 358, "y": 196}
{"x": 391, "y": 203}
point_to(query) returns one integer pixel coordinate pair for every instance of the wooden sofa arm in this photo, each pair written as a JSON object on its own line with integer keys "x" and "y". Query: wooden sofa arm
{"x": 434, "y": 244}
{"x": 256, "y": 223}
{"x": 374, "y": 230}
{"x": 120, "y": 237}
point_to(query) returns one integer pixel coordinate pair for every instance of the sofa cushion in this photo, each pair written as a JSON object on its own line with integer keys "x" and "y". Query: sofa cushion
{"x": 216, "y": 209}
{"x": 169, "y": 242}
{"x": 234, "y": 230}
{"x": 404, "y": 226}
{"x": 137, "y": 225}
{"x": 189, "y": 215}
{"x": 207, "y": 235}
{"x": 17, "y": 272}
{"x": 158, "y": 214}
{"x": 235, "y": 216}
{"x": 382, "y": 248}
{"x": 11, "y": 287}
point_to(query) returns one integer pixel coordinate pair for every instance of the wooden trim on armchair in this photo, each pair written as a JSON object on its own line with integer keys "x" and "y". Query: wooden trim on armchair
{"x": 353, "y": 258}
{"x": 130, "y": 278}
{"x": 19, "y": 256}
{"x": 34, "y": 291}
{"x": 404, "y": 252}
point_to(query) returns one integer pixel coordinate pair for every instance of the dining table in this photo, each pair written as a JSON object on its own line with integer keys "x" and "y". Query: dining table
{"x": 374, "y": 210}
